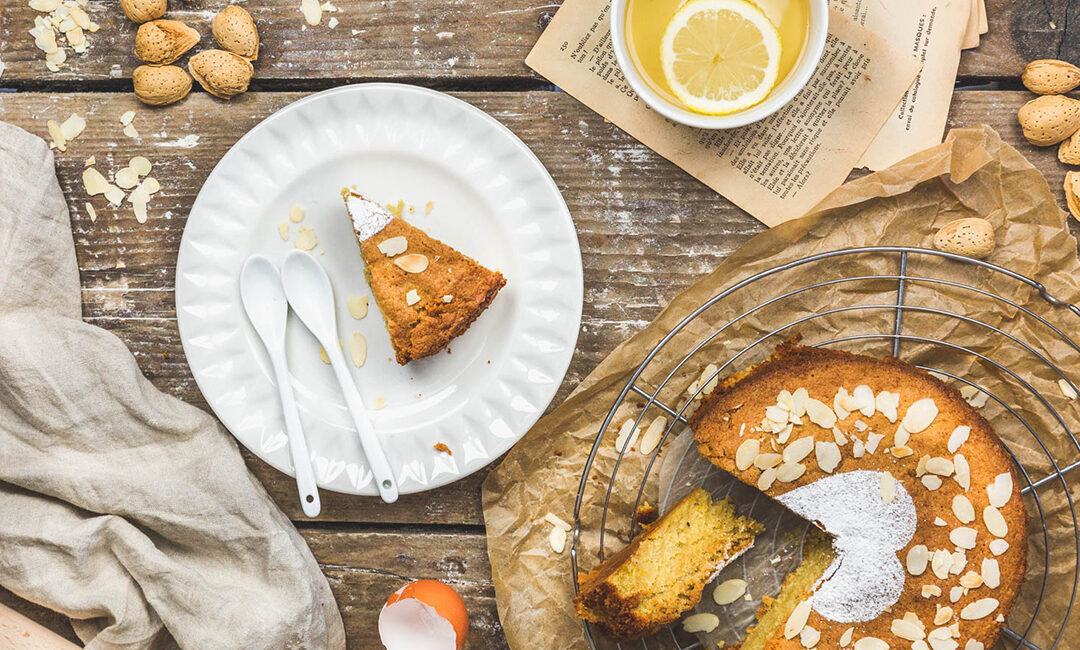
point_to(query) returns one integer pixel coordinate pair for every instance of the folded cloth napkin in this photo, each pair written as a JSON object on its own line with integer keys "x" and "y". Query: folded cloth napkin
{"x": 120, "y": 506}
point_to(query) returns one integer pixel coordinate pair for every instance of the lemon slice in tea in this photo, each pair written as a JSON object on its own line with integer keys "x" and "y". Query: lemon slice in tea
{"x": 720, "y": 56}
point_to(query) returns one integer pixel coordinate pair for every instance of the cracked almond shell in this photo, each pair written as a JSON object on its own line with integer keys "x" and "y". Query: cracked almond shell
{"x": 1049, "y": 119}
{"x": 160, "y": 42}
{"x": 221, "y": 73}
{"x": 160, "y": 85}
{"x": 1050, "y": 77}
{"x": 235, "y": 31}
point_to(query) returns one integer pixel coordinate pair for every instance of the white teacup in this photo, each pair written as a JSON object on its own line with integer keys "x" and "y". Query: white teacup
{"x": 784, "y": 91}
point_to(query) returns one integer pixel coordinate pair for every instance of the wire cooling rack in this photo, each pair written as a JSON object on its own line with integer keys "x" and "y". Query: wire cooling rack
{"x": 917, "y": 305}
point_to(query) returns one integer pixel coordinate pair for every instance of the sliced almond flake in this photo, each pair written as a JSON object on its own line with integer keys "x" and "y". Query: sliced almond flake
{"x": 995, "y": 522}
{"x": 283, "y": 230}
{"x": 746, "y": 453}
{"x": 839, "y": 437}
{"x": 907, "y": 630}
{"x": 130, "y": 131}
{"x": 955, "y": 594}
{"x": 797, "y": 620}
{"x": 888, "y": 487}
{"x": 393, "y": 246}
{"x": 89, "y": 161}
{"x": 332, "y": 23}
{"x": 799, "y": 449}
{"x": 1000, "y": 491}
{"x": 931, "y": 591}
{"x": 92, "y": 212}
{"x": 871, "y": 643}
{"x": 863, "y": 400}
{"x": 920, "y": 415}
{"x": 44, "y": 6}
{"x": 959, "y": 562}
{"x": 979, "y": 609}
{"x": 809, "y": 637}
{"x": 307, "y": 240}
{"x": 920, "y": 469}
{"x": 776, "y": 413}
{"x": 127, "y": 117}
{"x": 918, "y": 557}
{"x": 963, "y": 536}
{"x": 557, "y": 521}
{"x": 963, "y": 472}
{"x": 820, "y": 413}
{"x": 45, "y": 41}
{"x": 73, "y": 127}
{"x": 991, "y": 573}
{"x": 151, "y": 185}
{"x": 974, "y": 396}
{"x": 729, "y": 591}
{"x": 888, "y": 404}
{"x": 798, "y": 401}
{"x": 140, "y": 165}
{"x": 931, "y": 481}
{"x": 872, "y": 442}
{"x": 94, "y": 182}
{"x": 784, "y": 434}
{"x": 557, "y": 539}
{"x": 940, "y": 466}
{"x": 766, "y": 460}
{"x": 962, "y": 508}
{"x": 312, "y": 11}
{"x": 839, "y": 401}
{"x": 902, "y": 452}
{"x": 412, "y": 263}
{"x": 958, "y": 437}
{"x": 114, "y": 195}
{"x": 57, "y": 135}
{"x": 139, "y": 207}
{"x": 628, "y": 435}
{"x": 651, "y": 438}
{"x": 943, "y": 615}
{"x": 55, "y": 59}
{"x": 861, "y": 426}
{"x": 901, "y": 437}
{"x": 971, "y": 580}
{"x": 789, "y": 472}
{"x": 126, "y": 178}
{"x": 938, "y": 521}
{"x": 998, "y": 546}
{"x": 1066, "y": 389}
{"x": 380, "y": 402}
{"x": 827, "y": 455}
{"x": 766, "y": 479}
{"x": 858, "y": 449}
{"x": 358, "y": 349}
{"x": 296, "y": 214}
{"x": 940, "y": 563}
{"x": 972, "y": 644}
{"x": 845, "y": 638}
{"x": 81, "y": 18}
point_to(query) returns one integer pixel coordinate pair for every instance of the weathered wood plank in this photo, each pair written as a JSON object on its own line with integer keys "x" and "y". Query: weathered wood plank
{"x": 459, "y": 43}
{"x": 647, "y": 230}
{"x": 363, "y": 568}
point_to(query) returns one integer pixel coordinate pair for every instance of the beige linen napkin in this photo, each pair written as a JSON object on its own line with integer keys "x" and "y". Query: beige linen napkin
{"x": 120, "y": 506}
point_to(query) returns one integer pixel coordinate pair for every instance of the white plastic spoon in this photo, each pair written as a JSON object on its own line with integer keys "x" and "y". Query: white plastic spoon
{"x": 267, "y": 309}
{"x": 312, "y": 298}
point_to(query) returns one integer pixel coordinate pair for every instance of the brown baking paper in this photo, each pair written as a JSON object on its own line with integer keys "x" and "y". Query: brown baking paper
{"x": 973, "y": 173}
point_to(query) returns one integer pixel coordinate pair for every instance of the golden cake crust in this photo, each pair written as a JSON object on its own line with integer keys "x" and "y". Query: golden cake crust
{"x": 427, "y": 326}
{"x": 739, "y": 404}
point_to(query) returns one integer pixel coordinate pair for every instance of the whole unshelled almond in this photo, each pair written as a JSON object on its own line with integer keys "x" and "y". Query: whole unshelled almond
{"x": 160, "y": 85}
{"x": 160, "y": 42}
{"x": 140, "y": 11}
{"x": 1049, "y": 119}
{"x": 235, "y": 31}
{"x": 221, "y": 73}
{"x": 972, "y": 237}
{"x": 1050, "y": 77}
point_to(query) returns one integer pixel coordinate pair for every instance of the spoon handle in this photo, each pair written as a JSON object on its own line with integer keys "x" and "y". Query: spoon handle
{"x": 305, "y": 477}
{"x": 369, "y": 440}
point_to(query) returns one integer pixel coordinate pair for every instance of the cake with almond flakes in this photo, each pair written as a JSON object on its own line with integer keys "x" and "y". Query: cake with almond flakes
{"x": 429, "y": 293}
{"x": 917, "y": 494}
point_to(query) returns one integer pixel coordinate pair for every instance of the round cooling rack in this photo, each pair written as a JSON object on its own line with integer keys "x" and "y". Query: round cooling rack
{"x": 1002, "y": 348}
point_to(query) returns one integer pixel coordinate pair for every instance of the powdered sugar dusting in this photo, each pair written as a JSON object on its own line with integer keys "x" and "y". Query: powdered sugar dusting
{"x": 368, "y": 217}
{"x": 867, "y": 577}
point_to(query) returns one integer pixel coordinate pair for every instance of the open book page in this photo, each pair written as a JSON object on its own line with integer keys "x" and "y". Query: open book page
{"x": 775, "y": 169}
{"x": 932, "y": 31}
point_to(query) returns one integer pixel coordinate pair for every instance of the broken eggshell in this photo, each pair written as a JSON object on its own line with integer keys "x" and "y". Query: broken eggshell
{"x": 424, "y": 615}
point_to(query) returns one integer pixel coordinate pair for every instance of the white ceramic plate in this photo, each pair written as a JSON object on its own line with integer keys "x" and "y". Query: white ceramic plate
{"x": 492, "y": 199}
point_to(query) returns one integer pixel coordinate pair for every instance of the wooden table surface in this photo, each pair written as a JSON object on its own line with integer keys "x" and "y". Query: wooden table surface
{"x": 647, "y": 229}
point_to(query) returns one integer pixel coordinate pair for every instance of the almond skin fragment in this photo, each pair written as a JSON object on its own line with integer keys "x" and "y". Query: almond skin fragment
{"x": 1049, "y": 119}
{"x": 221, "y": 73}
{"x": 160, "y": 42}
{"x": 1050, "y": 77}
{"x": 235, "y": 31}
{"x": 160, "y": 85}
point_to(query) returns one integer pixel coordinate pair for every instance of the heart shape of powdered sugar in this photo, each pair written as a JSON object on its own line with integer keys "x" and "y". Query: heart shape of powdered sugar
{"x": 866, "y": 577}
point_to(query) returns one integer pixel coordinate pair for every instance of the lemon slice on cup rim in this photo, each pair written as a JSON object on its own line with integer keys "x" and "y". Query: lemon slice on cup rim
{"x": 720, "y": 56}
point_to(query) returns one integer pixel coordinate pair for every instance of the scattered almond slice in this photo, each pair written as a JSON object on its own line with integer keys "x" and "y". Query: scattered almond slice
{"x": 557, "y": 521}
{"x": 940, "y": 562}
{"x": 94, "y": 182}
{"x": 729, "y": 591}
{"x": 651, "y": 438}
{"x": 789, "y": 472}
{"x": 557, "y": 539}
{"x": 59, "y": 142}
{"x": 888, "y": 487}
{"x": 312, "y": 11}
{"x": 140, "y": 165}
{"x": 412, "y": 263}
{"x": 1066, "y": 389}
{"x": 306, "y": 240}
{"x": 283, "y": 230}
{"x": 627, "y": 436}
{"x": 393, "y": 246}
{"x": 827, "y": 455}
{"x": 90, "y": 161}
{"x": 918, "y": 557}
{"x": 963, "y": 472}
{"x": 920, "y": 415}
{"x": 296, "y": 213}
{"x": 991, "y": 573}
{"x": 412, "y": 297}
{"x": 995, "y": 522}
{"x": 448, "y": 298}
{"x": 931, "y": 591}
{"x": 958, "y": 437}
{"x": 998, "y": 546}
{"x": 963, "y": 537}
{"x": 931, "y": 481}
{"x": 956, "y": 593}
{"x": 126, "y": 178}
{"x": 358, "y": 349}
{"x": 380, "y": 403}
{"x": 962, "y": 508}
{"x": 845, "y": 638}
{"x": 92, "y": 212}
{"x": 979, "y": 609}
{"x": 700, "y": 623}
{"x": 907, "y": 630}
{"x": 130, "y": 131}
{"x": 871, "y": 643}
{"x": 332, "y": 23}
{"x": 765, "y": 481}
{"x": 127, "y": 117}
{"x": 358, "y": 306}
{"x": 809, "y": 637}
{"x": 799, "y": 449}
{"x": 73, "y": 127}
{"x": 974, "y": 396}
{"x": 888, "y": 404}
{"x": 746, "y": 453}
{"x": 1000, "y": 491}
{"x": 797, "y": 620}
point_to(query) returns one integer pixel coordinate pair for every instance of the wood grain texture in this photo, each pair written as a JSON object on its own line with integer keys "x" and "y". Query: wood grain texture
{"x": 365, "y": 566}
{"x": 441, "y": 45}
{"x": 642, "y": 242}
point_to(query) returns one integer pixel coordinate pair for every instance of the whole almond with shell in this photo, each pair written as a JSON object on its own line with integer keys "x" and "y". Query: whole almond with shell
{"x": 972, "y": 237}
{"x": 160, "y": 42}
{"x": 1049, "y": 119}
{"x": 160, "y": 85}
{"x": 1050, "y": 77}
{"x": 235, "y": 31}
{"x": 1069, "y": 150}
{"x": 1072, "y": 192}
{"x": 140, "y": 11}
{"x": 221, "y": 73}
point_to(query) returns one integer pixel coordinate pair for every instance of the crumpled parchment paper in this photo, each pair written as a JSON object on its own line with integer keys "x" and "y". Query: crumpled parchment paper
{"x": 973, "y": 173}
